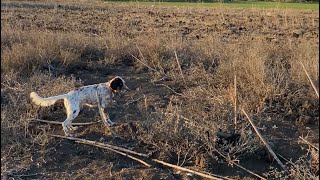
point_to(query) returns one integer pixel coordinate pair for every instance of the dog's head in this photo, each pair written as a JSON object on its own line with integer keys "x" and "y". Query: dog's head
{"x": 117, "y": 84}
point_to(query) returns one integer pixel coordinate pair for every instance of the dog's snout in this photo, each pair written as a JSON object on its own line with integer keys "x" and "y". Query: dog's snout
{"x": 126, "y": 87}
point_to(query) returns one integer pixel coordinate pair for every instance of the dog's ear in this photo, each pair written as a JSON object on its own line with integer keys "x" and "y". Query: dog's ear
{"x": 116, "y": 84}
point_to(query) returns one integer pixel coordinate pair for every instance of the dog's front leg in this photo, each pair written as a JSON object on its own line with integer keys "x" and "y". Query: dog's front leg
{"x": 105, "y": 117}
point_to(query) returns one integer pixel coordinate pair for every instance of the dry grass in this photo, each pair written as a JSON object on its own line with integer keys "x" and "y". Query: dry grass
{"x": 306, "y": 167}
{"x": 40, "y": 52}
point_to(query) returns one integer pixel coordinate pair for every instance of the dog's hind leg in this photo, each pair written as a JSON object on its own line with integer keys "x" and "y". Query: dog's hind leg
{"x": 72, "y": 112}
{"x": 65, "y": 126}
{"x": 75, "y": 113}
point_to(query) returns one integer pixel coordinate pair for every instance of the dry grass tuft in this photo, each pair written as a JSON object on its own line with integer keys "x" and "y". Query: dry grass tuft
{"x": 303, "y": 168}
{"x": 181, "y": 64}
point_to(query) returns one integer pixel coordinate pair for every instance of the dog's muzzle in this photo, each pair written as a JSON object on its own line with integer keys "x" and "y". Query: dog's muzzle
{"x": 126, "y": 87}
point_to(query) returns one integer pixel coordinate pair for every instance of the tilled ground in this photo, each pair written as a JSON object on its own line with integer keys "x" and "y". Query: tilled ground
{"x": 141, "y": 105}
{"x": 141, "y": 20}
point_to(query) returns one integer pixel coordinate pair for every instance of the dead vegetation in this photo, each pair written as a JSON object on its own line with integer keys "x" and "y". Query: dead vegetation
{"x": 180, "y": 64}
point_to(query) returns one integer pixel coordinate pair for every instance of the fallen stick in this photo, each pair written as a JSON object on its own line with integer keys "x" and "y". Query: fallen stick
{"x": 264, "y": 141}
{"x": 143, "y": 63}
{"x": 286, "y": 159}
{"x": 140, "y": 52}
{"x": 179, "y": 66}
{"x": 235, "y": 101}
{"x": 119, "y": 152}
{"x": 115, "y": 148}
{"x": 94, "y": 143}
{"x": 218, "y": 176}
{"x": 187, "y": 96}
{"x": 241, "y": 167}
{"x": 132, "y": 101}
{"x": 186, "y": 170}
{"x": 312, "y": 84}
{"x": 27, "y": 175}
{"x": 60, "y": 123}
{"x": 308, "y": 143}
{"x": 171, "y": 89}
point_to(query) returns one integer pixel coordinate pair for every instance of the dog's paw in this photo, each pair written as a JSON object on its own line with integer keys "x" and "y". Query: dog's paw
{"x": 73, "y": 128}
{"x": 69, "y": 134}
{"x": 112, "y": 124}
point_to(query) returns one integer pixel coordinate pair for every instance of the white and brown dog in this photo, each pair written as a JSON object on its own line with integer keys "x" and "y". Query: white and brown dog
{"x": 91, "y": 95}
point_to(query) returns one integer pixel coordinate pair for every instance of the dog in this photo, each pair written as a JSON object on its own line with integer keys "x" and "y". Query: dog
{"x": 91, "y": 95}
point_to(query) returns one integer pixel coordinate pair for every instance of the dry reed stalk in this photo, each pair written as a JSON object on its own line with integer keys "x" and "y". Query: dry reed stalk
{"x": 118, "y": 152}
{"x": 235, "y": 101}
{"x": 145, "y": 102}
{"x": 116, "y": 148}
{"x": 60, "y": 123}
{"x": 27, "y": 175}
{"x": 264, "y": 141}
{"x": 179, "y": 94}
{"x": 285, "y": 159}
{"x": 225, "y": 178}
{"x": 187, "y": 97}
{"x": 101, "y": 144}
{"x": 312, "y": 84}
{"x": 241, "y": 167}
{"x": 132, "y": 101}
{"x": 140, "y": 53}
{"x": 180, "y": 69}
{"x": 308, "y": 143}
{"x": 186, "y": 170}
{"x": 143, "y": 63}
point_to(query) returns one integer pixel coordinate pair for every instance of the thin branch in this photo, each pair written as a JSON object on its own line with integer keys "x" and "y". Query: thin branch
{"x": 235, "y": 101}
{"x": 132, "y": 101}
{"x": 140, "y": 53}
{"x": 186, "y": 170}
{"x": 187, "y": 97}
{"x": 171, "y": 90}
{"x": 308, "y": 143}
{"x": 225, "y": 178}
{"x": 109, "y": 147}
{"x": 60, "y": 123}
{"x": 28, "y": 175}
{"x": 101, "y": 144}
{"x": 312, "y": 84}
{"x": 143, "y": 63}
{"x": 285, "y": 159}
{"x": 241, "y": 167}
{"x": 179, "y": 66}
{"x": 264, "y": 141}
{"x": 118, "y": 150}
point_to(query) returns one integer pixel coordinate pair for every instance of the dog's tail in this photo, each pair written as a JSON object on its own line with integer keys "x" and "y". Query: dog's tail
{"x": 45, "y": 101}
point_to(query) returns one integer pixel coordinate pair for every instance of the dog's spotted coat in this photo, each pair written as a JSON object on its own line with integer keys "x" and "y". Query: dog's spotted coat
{"x": 86, "y": 95}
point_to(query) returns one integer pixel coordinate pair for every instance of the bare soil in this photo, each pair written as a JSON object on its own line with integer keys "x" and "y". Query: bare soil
{"x": 284, "y": 117}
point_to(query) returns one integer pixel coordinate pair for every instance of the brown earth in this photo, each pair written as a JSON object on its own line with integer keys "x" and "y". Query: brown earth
{"x": 105, "y": 37}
